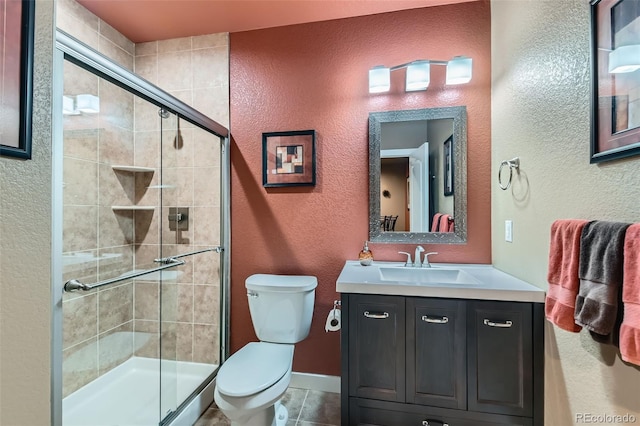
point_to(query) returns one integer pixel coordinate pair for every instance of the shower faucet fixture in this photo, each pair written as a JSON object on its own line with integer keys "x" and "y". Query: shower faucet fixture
{"x": 178, "y": 218}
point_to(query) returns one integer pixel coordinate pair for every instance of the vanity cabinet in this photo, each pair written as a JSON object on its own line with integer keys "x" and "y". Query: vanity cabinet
{"x": 438, "y": 361}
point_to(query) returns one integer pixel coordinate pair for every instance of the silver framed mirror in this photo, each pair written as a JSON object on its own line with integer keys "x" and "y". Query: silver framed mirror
{"x": 451, "y": 179}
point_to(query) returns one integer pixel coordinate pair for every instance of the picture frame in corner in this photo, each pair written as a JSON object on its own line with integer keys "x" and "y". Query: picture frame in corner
{"x": 615, "y": 60}
{"x": 16, "y": 75}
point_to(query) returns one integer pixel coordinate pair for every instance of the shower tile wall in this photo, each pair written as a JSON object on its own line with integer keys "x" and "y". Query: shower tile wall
{"x": 99, "y": 243}
{"x": 195, "y": 70}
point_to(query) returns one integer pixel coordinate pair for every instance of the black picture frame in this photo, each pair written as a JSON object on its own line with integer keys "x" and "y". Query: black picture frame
{"x": 289, "y": 158}
{"x": 447, "y": 166}
{"x": 613, "y": 137}
{"x": 15, "y": 138}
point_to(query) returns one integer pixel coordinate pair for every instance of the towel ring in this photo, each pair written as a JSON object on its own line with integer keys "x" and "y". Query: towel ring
{"x": 514, "y": 163}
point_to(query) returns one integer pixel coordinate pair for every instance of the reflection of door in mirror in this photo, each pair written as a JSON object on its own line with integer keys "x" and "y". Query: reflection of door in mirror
{"x": 412, "y": 173}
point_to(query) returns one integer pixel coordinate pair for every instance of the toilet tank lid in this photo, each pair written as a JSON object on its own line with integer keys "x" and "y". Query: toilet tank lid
{"x": 255, "y": 367}
{"x": 282, "y": 283}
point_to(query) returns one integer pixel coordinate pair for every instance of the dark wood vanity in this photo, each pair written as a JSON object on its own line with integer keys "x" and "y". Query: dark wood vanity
{"x": 434, "y": 361}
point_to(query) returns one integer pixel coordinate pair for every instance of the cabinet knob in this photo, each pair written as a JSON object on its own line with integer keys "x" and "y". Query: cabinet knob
{"x": 426, "y": 423}
{"x": 435, "y": 320}
{"x": 505, "y": 324}
{"x": 376, "y": 315}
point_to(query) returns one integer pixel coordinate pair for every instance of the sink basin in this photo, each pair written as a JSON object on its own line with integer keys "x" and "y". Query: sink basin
{"x": 434, "y": 275}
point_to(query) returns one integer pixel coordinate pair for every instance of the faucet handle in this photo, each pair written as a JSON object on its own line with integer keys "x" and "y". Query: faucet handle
{"x": 426, "y": 263}
{"x": 408, "y": 263}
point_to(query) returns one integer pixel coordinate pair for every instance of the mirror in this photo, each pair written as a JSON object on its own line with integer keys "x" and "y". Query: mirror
{"x": 417, "y": 171}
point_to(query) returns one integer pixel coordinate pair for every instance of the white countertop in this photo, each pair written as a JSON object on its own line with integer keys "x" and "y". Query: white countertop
{"x": 493, "y": 283}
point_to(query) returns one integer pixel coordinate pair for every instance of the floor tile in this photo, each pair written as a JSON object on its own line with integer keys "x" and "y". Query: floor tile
{"x": 321, "y": 407}
{"x": 306, "y": 408}
{"x": 293, "y": 400}
{"x": 213, "y": 417}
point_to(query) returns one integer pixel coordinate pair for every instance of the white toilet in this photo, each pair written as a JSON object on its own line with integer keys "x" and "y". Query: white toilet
{"x": 251, "y": 382}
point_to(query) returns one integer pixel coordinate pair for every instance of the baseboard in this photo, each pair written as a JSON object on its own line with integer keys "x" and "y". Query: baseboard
{"x": 319, "y": 382}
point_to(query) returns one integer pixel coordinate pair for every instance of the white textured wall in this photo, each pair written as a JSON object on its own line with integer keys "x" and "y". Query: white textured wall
{"x": 540, "y": 112}
{"x": 25, "y": 255}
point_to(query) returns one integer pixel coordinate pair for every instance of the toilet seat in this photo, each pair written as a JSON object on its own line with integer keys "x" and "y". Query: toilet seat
{"x": 254, "y": 368}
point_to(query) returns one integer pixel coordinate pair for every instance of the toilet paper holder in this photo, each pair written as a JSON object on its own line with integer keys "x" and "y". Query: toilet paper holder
{"x": 336, "y": 305}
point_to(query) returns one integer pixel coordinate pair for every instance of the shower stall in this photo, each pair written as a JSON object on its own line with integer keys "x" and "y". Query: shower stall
{"x": 141, "y": 196}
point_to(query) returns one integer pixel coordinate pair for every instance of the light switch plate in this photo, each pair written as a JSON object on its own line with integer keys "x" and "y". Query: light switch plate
{"x": 508, "y": 231}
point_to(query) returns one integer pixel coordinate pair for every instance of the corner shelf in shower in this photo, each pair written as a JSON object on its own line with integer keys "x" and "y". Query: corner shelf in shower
{"x": 133, "y": 169}
{"x": 145, "y": 208}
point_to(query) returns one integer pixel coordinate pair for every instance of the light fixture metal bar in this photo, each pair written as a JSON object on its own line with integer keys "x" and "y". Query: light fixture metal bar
{"x": 432, "y": 62}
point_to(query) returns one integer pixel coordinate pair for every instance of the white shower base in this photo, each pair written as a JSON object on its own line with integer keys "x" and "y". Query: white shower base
{"x": 129, "y": 395}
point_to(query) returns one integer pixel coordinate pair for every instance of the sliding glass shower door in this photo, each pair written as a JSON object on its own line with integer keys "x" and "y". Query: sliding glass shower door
{"x": 142, "y": 310}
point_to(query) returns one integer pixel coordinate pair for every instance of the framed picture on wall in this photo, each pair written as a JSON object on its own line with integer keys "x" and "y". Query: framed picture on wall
{"x": 289, "y": 158}
{"x": 447, "y": 165}
{"x": 16, "y": 74}
{"x": 615, "y": 51}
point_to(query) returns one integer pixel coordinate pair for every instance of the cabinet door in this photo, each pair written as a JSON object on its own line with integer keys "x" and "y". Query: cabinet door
{"x": 436, "y": 352}
{"x": 377, "y": 347}
{"x": 381, "y": 413}
{"x": 500, "y": 358}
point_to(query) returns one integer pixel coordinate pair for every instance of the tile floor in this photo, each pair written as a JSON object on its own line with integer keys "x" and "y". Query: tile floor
{"x": 306, "y": 408}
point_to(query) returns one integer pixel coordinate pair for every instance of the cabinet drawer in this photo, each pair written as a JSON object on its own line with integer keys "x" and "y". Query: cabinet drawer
{"x": 377, "y": 355}
{"x": 500, "y": 360}
{"x": 436, "y": 352}
{"x": 380, "y": 413}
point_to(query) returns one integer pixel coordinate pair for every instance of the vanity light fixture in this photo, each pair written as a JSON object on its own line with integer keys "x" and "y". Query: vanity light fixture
{"x": 379, "y": 79}
{"x": 459, "y": 70}
{"x": 624, "y": 59}
{"x": 418, "y": 74}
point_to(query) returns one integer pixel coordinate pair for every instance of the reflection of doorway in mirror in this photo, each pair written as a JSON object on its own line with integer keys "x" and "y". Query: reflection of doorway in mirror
{"x": 393, "y": 177}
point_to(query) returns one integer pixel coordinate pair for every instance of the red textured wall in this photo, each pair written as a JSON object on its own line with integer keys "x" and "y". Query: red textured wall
{"x": 315, "y": 76}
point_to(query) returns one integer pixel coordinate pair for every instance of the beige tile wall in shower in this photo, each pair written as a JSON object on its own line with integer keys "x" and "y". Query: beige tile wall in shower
{"x": 195, "y": 70}
{"x": 97, "y": 242}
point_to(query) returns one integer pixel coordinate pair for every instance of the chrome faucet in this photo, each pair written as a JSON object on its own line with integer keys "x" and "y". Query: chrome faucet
{"x": 408, "y": 262}
{"x": 417, "y": 263}
{"x": 426, "y": 263}
{"x": 416, "y": 260}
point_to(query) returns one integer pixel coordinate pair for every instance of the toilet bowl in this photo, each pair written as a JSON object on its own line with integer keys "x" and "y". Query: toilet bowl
{"x": 250, "y": 384}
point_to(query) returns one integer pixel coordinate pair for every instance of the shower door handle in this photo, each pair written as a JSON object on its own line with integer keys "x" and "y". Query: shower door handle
{"x": 74, "y": 285}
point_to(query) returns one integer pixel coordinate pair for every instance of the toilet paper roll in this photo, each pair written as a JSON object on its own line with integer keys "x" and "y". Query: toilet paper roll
{"x": 333, "y": 321}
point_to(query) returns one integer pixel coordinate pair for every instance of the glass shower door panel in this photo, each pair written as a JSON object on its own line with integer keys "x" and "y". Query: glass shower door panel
{"x": 190, "y": 299}
{"x": 106, "y": 379}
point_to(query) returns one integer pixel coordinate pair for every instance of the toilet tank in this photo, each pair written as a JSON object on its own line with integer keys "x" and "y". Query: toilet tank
{"x": 281, "y": 306}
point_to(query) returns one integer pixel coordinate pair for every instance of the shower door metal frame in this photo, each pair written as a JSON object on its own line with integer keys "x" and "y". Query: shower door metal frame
{"x": 73, "y": 50}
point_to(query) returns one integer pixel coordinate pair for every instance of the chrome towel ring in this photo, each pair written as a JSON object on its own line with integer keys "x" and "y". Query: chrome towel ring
{"x": 514, "y": 163}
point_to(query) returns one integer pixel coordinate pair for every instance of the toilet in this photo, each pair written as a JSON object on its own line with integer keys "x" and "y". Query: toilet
{"x": 250, "y": 384}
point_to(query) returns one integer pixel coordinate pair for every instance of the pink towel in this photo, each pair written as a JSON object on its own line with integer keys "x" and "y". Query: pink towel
{"x": 630, "y": 328}
{"x": 444, "y": 223}
{"x": 436, "y": 222}
{"x": 451, "y": 227}
{"x": 562, "y": 276}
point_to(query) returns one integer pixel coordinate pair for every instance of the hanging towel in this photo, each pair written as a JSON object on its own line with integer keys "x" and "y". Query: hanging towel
{"x": 444, "y": 223}
{"x": 630, "y": 328}
{"x": 435, "y": 222}
{"x": 600, "y": 272}
{"x": 451, "y": 225}
{"x": 562, "y": 276}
